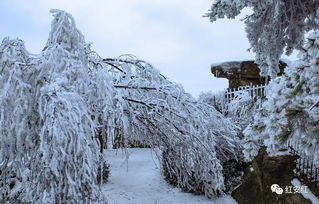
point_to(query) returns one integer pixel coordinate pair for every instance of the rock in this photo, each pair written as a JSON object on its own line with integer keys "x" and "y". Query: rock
{"x": 262, "y": 174}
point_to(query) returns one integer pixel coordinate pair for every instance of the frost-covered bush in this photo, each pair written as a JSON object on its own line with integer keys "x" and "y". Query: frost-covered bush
{"x": 272, "y": 26}
{"x": 291, "y": 112}
{"x": 217, "y": 100}
{"x": 239, "y": 104}
{"x": 195, "y": 164}
{"x": 240, "y": 109}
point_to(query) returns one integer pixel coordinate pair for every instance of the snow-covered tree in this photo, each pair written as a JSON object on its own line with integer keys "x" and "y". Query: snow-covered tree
{"x": 47, "y": 135}
{"x": 147, "y": 108}
{"x": 54, "y": 105}
{"x": 196, "y": 139}
{"x": 273, "y": 26}
{"x": 18, "y": 137}
{"x": 291, "y": 112}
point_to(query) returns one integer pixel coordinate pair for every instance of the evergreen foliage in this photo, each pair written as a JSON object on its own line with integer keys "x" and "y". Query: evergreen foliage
{"x": 291, "y": 112}
{"x": 273, "y": 26}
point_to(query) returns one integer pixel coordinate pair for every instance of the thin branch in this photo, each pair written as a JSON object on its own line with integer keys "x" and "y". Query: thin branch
{"x": 134, "y": 87}
{"x": 133, "y": 62}
{"x": 314, "y": 105}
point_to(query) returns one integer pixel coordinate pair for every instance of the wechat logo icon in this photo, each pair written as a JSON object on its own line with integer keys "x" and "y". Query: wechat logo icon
{"x": 276, "y": 188}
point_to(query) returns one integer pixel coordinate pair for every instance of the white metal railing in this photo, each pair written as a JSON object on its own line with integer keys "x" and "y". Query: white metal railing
{"x": 222, "y": 100}
{"x": 254, "y": 91}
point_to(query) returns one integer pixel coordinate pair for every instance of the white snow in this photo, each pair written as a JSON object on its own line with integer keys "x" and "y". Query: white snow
{"x": 140, "y": 181}
{"x": 228, "y": 65}
{"x": 309, "y": 195}
{"x": 278, "y": 153}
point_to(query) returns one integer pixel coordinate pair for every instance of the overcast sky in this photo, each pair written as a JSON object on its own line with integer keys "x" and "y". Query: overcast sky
{"x": 170, "y": 34}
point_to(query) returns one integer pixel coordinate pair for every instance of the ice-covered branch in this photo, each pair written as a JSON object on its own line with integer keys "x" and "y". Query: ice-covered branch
{"x": 273, "y": 26}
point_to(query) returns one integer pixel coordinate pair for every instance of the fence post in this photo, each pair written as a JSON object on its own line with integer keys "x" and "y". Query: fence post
{"x": 311, "y": 175}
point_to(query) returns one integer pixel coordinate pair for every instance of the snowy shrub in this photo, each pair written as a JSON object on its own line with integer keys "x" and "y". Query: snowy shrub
{"x": 240, "y": 109}
{"x": 217, "y": 100}
{"x": 239, "y": 105}
{"x": 291, "y": 112}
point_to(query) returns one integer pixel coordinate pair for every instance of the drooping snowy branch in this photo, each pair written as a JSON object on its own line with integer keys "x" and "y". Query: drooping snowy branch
{"x": 160, "y": 113}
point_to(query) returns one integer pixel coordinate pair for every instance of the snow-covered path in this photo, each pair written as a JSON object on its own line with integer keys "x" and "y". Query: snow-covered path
{"x": 140, "y": 182}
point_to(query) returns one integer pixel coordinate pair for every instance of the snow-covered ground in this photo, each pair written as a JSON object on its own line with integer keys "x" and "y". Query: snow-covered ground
{"x": 308, "y": 195}
{"x": 139, "y": 181}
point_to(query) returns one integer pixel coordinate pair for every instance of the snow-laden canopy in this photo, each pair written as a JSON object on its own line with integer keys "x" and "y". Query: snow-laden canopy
{"x": 291, "y": 113}
{"x": 273, "y": 26}
{"x": 47, "y": 135}
{"x": 52, "y": 103}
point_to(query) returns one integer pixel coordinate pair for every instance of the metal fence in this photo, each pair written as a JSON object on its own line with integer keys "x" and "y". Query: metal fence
{"x": 222, "y": 100}
{"x": 304, "y": 164}
{"x": 255, "y": 91}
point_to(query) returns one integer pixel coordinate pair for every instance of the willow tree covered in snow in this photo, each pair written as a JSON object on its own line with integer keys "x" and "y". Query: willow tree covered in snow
{"x": 47, "y": 136}
{"x": 273, "y": 26}
{"x": 51, "y": 105}
{"x": 292, "y": 110}
{"x": 195, "y": 139}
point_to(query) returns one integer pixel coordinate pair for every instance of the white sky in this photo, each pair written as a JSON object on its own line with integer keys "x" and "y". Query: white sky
{"x": 170, "y": 34}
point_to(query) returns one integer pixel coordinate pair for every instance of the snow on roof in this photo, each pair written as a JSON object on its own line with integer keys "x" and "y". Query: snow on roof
{"x": 236, "y": 64}
{"x": 229, "y": 65}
